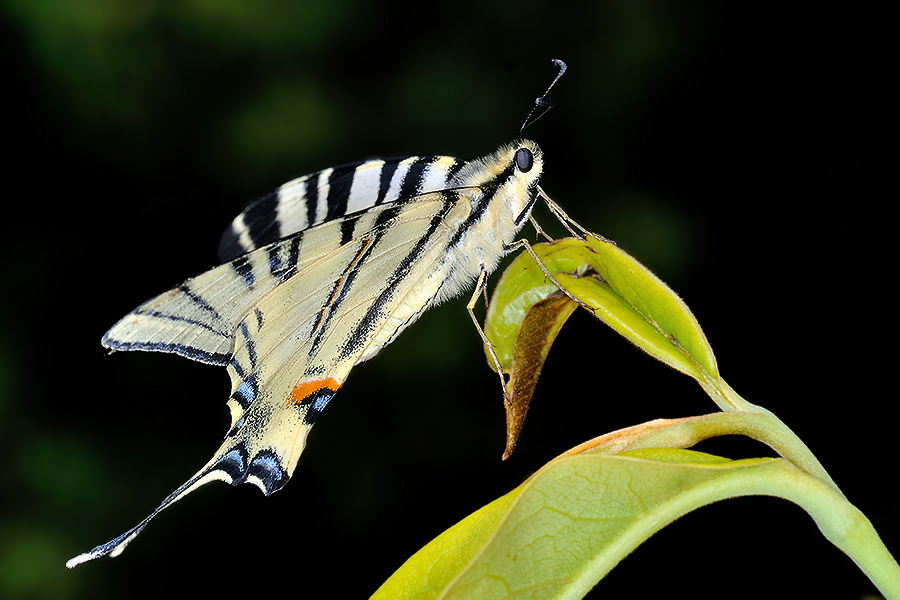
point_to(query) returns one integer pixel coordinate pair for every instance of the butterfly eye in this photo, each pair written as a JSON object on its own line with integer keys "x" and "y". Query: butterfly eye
{"x": 524, "y": 159}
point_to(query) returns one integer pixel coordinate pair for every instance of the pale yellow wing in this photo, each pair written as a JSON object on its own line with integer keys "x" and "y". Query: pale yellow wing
{"x": 290, "y": 320}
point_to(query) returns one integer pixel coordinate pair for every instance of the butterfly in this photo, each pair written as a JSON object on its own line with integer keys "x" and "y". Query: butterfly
{"x": 317, "y": 277}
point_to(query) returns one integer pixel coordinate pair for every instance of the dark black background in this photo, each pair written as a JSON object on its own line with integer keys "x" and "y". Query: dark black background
{"x": 732, "y": 150}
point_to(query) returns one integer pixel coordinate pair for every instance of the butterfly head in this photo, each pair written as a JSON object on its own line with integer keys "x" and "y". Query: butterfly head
{"x": 509, "y": 178}
{"x": 528, "y": 164}
{"x": 524, "y": 164}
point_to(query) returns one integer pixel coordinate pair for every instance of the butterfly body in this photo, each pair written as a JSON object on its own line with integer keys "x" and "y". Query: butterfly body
{"x": 320, "y": 275}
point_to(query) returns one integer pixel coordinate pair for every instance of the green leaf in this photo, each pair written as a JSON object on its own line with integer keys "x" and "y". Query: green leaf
{"x": 433, "y": 568}
{"x": 629, "y": 298}
{"x": 560, "y": 532}
{"x": 527, "y": 311}
{"x": 583, "y": 512}
{"x": 619, "y": 290}
{"x": 633, "y": 301}
{"x": 522, "y": 285}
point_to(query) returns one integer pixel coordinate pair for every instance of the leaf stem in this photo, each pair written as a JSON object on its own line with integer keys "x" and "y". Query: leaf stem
{"x": 843, "y": 525}
{"x": 763, "y": 425}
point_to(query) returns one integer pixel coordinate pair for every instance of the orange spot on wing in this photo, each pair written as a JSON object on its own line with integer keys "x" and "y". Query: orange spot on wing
{"x": 305, "y": 390}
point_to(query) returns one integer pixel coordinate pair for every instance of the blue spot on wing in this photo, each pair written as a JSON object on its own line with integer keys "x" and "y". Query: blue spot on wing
{"x": 233, "y": 464}
{"x": 321, "y": 401}
{"x": 246, "y": 393}
{"x": 316, "y": 404}
{"x": 266, "y": 466}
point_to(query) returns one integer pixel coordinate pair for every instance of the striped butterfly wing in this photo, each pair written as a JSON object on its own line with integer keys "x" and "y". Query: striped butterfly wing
{"x": 201, "y": 314}
{"x": 305, "y": 310}
{"x": 296, "y": 348}
{"x": 290, "y": 319}
{"x": 331, "y": 193}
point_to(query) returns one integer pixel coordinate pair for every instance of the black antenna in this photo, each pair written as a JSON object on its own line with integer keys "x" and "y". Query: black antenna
{"x": 544, "y": 101}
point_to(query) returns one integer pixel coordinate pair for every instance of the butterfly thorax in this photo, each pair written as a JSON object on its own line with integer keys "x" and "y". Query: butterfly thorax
{"x": 497, "y": 212}
{"x": 489, "y": 202}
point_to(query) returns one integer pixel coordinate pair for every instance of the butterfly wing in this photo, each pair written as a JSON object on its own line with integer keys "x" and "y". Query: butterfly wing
{"x": 333, "y": 193}
{"x": 290, "y": 320}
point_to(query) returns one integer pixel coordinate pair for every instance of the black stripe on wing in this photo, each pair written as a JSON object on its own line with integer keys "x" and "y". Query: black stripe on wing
{"x": 412, "y": 182}
{"x": 339, "y": 183}
{"x": 278, "y": 214}
{"x": 156, "y": 327}
{"x": 259, "y": 222}
{"x": 283, "y": 258}
{"x": 374, "y": 314}
{"x": 384, "y": 181}
{"x": 212, "y": 358}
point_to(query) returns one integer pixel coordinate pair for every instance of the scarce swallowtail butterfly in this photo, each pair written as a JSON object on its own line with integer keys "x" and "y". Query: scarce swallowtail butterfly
{"x": 320, "y": 275}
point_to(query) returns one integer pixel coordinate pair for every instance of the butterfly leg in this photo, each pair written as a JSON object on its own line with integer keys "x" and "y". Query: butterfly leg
{"x": 567, "y": 221}
{"x": 481, "y": 288}
{"x": 539, "y": 231}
